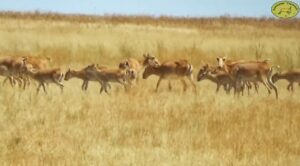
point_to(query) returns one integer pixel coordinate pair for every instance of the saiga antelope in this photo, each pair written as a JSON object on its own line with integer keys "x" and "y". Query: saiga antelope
{"x": 252, "y": 71}
{"x": 177, "y": 69}
{"x": 13, "y": 68}
{"x": 221, "y": 78}
{"x": 291, "y": 76}
{"x": 136, "y": 65}
{"x": 46, "y": 76}
{"x": 111, "y": 75}
{"x": 131, "y": 63}
{"x": 85, "y": 76}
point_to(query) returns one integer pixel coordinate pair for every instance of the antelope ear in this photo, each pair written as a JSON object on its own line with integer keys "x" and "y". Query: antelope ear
{"x": 278, "y": 68}
{"x": 218, "y": 58}
{"x": 127, "y": 63}
{"x": 224, "y": 58}
{"x": 24, "y": 59}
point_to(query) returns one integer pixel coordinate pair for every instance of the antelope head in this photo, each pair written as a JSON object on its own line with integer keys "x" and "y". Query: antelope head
{"x": 150, "y": 60}
{"x": 203, "y": 72}
{"x": 221, "y": 62}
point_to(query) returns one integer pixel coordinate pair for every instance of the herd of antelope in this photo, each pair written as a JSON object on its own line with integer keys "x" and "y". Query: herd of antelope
{"x": 236, "y": 75}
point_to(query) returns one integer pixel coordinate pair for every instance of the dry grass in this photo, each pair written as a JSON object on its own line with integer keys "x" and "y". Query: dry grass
{"x": 143, "y": 127}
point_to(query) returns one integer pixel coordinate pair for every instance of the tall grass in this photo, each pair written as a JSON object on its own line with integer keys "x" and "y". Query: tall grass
{"x": 142, "y": 127}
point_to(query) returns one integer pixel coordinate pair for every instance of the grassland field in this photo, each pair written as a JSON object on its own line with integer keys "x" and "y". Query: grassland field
{"x": 142, "y": 127}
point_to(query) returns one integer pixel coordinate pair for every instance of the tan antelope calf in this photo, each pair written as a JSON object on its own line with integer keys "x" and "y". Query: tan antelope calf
{"x": 174, "y": 69}
{"x": 220, "y": 78}
{"x": 136, "y": 65}
{"x": 84, "y": 75}
{"x": 291, "y": 76}
{"x": 252, "y": 71}
{"x": 111, "y": 75}
{"x": 132, "y": 64}
{"x": 43, "y": 76}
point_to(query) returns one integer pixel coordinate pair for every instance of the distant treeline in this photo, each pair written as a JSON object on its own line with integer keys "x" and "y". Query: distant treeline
{"x": 196, "y": 22}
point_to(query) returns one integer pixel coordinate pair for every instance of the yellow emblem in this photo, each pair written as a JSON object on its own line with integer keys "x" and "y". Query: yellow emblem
{"x": 285, "y": 9}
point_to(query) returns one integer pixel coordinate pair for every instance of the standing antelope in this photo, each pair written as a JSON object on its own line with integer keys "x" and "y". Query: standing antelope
{"x": 291, "y": 76}
{"x": 111, "y": 75}
{"x": 46, "y": 76}
{"x": 252, "y": 71}
{"x": 176, "y": 69}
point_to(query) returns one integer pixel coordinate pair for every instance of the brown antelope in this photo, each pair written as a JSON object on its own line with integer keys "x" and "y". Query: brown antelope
{"x": 46, "y": 76}
{"x": 84, "y": 75}
{"x": 132, "y": 64}
{"x": 252, "y": 71}
{"x": 221, "y": 78}
{"x": 6, "y": 73}
{"x": 291, "y": 76}
{"x": 177, "y": 69}
{"x": 38, "y": 62}
{"x": 111, "y": 75}
{"x": 14, "y": 68}
{"x": 136, "y": 66}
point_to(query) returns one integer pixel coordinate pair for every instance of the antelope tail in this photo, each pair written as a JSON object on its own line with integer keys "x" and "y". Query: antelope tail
{"x": 270, "y": 82}
{"x": 61, "y": 77}
{"x": 189, "y": 69}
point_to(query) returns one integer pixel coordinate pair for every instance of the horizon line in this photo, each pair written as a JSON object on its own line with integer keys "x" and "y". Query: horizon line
{"x": 43, "y": 12}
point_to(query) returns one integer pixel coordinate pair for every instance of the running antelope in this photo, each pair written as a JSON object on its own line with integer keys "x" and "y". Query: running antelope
{"x": 46, "y": 76}
{"x": 84, "y": 75}
{"x": 291, "y": 76}
{"x": 175, "y": 69}
{"x": 252, "y": 71}
{"x": 111, "y": 75}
